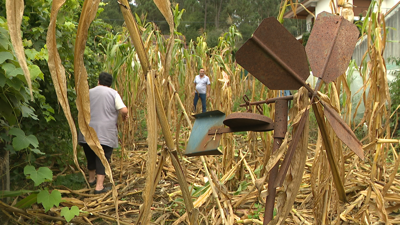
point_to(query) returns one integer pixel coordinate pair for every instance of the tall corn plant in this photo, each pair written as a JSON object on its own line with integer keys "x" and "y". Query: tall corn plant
{"x": 226, "y": 76}
{"x": 218, "y": 62}
{"x": 121, "y": 61}
{"x": 377, "y": 107}
{"x": 376, "y": 100}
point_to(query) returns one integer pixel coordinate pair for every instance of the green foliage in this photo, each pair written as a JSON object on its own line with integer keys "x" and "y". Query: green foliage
{"x": 394, "y": 87}
{"x": 177, "y": 18}
{"x": 69, "y": 214}
{"x": 257, "y": 171}
{"x": 242, "y": 186}
{"x": 111, "y": 14}
{"x": 6, "y": 194}
{"x": 73, "y": 181}
{"x": 14, "y": 96}
{"x": 38, "y": 176}
{"x": 38, "y": 117}
{"x": 179, "y": 205}
{"x": 27, "y": 202}
{"x": 148, "y": 9}
{"x": 48, "y": 199}
{"x": 44, "y": 197}
{"x": 295, "y": 26}
{"x": 305, "y": 38}
{"x": 20, "y": 141}
{"x": 213, "y": 36}
{"x": 259, "y": 209}
{"x": 197, "y": 191}
{"x": 213, "y": 17}
{"x": 25, "y": 123}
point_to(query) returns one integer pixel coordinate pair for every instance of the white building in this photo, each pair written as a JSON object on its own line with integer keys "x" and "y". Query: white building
{"x": 391, "y": 9}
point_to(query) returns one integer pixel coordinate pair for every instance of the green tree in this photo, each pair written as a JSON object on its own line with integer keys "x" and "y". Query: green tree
{"x": 15, "y": 103}
{"x": 147, "y": 10}
{"x": 112, "y": 14}
{"x": 214, "y": 17}
{"x": 395, "y": 94}
{"x": 45, "y": 118}
{"x": 247, "y": 15}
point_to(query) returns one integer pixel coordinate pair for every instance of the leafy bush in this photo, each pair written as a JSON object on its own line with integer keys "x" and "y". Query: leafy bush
{"x": 42, "y": 196}
{"x": 394, "y": 87}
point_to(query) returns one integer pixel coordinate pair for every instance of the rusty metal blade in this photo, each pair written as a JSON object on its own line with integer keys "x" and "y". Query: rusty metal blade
{"x": 239, "y": 120}
{"x": 200, "y": 143}
{"x": 343, "y": 131}
{"x": 289, "y": 155}
{"x": 330, "y": 46}
{"x": 274, "y": 57}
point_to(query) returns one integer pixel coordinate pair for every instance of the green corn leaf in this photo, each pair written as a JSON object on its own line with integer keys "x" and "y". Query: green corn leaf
{"x": 6, "y": 194}
{"x": 27, "y": 202}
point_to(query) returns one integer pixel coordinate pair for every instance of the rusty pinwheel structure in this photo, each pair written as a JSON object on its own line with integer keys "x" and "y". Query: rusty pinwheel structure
{"x": 279, "y": 61}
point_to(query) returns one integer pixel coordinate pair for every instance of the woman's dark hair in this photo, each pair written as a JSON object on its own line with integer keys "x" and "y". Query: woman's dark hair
{"x": 105, "y": 79}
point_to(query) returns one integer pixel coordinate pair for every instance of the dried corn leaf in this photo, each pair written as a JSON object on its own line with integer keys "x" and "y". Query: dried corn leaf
{"x": 174, "y": 157}
{"x": 204, "y": 197}
{"x": 347, "y": 93}
{"x": 291, "y": 186}
{"x": 57, "y": 72}
{"x": 351, "y": 207}
{"x": 135, "y": 34}
{"x": 329, "y": 150}
{"x": 392, "y": 176}
{"x": 89, "y": 11}
{"x": 165, "y": 8}
{"x": 72, "y": 201}
{"x": 300, "y": 120}
{"x": 15, "y": 11}
{"x": 81, "y": 83}
{"x": 380, "y": 203}
{"x": 145, "y": 215}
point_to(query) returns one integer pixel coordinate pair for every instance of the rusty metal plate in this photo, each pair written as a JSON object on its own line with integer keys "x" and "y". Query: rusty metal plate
{"x": 274, "y": 57}
{"x": 247, "y": 121}
{"x": 343, "y": 131}
{"x": 330, "y": 46}
{"x": 200, "y": 143}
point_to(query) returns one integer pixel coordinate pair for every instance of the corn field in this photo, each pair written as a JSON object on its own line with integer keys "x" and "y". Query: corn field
{"x": 154, "y": 183}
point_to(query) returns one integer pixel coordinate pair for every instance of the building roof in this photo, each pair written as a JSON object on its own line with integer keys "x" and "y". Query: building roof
{"x": 360, "y": 7}
{"x": 301, "y": 13}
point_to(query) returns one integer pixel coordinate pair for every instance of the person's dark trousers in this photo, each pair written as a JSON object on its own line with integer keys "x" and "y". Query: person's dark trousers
{"x": 203, "y": 101}
{"x": 94, "y": 162}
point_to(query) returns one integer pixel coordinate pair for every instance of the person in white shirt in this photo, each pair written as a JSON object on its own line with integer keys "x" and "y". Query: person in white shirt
{"x": 202, "y": 91}
{"x": 105, "y": 105}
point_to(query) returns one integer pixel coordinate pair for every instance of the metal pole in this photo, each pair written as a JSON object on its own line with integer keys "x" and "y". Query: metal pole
{"x": 280, "y": 129}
